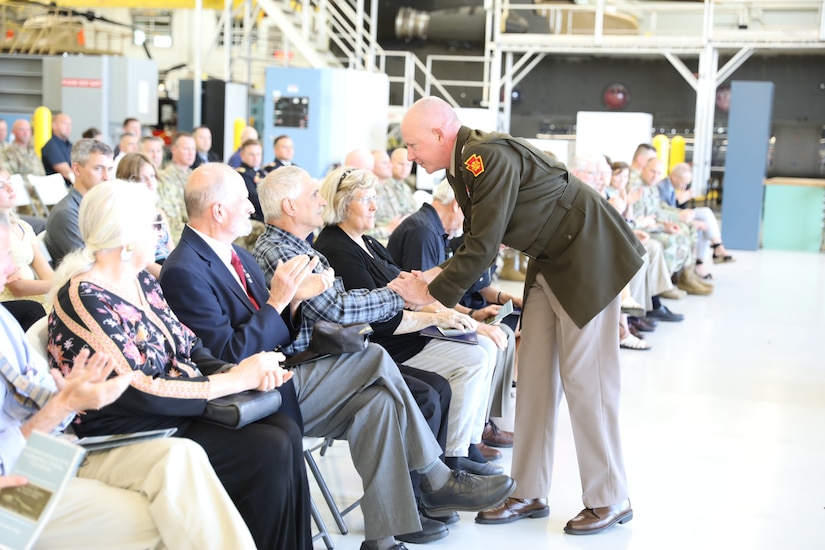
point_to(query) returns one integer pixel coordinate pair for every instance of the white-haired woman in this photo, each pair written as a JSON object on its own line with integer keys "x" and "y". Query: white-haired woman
{"x": 107, "y": 302}
{"x": 363, "y": 262}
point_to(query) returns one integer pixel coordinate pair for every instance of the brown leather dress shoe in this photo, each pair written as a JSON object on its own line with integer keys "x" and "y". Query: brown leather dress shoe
{"x": 595, "y": 520}
{"x": 488, "y": 452}
{"x": 514, "y": 509}
{"x": 495, "y": 437}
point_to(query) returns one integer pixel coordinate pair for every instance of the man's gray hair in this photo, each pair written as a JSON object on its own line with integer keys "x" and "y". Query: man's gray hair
{"x": 444, "y": 193}
{"x": 83, "y": 148}
{"x": 283, "y": 183}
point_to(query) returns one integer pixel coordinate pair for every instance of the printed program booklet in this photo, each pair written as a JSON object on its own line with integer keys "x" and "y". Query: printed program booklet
{"x": 48, "y": 463}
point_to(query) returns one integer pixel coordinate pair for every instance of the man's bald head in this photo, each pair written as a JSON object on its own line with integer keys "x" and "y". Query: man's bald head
{"x": 429, "y": 129}
{"x": 653, "y": 172}
{"x": 434, "y": 112}
{"x": 208, "y": 184}
{"x": 361, "y": 159}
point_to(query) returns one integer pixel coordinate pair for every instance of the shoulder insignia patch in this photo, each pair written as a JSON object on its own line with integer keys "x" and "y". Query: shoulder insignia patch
{"x": 240, "y": 169}
{"x": 474, "y": 164}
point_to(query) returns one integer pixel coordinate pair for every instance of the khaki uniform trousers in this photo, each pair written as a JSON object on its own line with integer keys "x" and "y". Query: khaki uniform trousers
{"x": 557, "y": 357}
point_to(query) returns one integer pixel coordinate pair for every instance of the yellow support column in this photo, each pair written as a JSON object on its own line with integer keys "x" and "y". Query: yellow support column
{"x": 677, "y": 152}
{"x": 662, "y": 145}
{"x": 238, "y": 127}
{"x": 41, "y": 127}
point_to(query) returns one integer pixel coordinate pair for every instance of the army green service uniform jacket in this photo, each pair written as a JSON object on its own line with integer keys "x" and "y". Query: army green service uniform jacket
{"x": 512, "y": 193}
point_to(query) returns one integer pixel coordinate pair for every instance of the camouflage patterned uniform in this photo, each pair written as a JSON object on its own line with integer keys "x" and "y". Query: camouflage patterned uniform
{"x": 24, "y": 161}
{"x": 171, "y": 182}
{"x": 395, "y": 198}
{"x": 678, "y": 248}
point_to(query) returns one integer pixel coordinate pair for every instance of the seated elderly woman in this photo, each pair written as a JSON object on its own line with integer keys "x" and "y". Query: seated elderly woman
{"x": 32, "y": 278}
{"x": 138, "y": 168}
{"x": 418, "y": 244}
{"x": 106, "y": 302}
{"x": 362, "y": 262}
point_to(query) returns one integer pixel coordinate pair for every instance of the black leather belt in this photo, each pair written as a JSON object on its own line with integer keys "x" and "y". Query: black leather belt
{"x": 563, "y": 205}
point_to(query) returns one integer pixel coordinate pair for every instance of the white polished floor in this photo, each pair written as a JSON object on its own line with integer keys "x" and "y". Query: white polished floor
{"x": 723, "y": 425}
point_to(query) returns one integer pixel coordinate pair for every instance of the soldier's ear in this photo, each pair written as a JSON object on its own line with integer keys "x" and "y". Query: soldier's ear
{"x": 439, "y": 134}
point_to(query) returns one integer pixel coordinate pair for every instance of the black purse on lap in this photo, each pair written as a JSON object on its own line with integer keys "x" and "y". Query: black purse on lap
{"x": 237, "y": 410}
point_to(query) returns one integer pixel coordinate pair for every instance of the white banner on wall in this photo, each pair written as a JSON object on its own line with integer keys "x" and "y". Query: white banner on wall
{"x": 613, "y": 134}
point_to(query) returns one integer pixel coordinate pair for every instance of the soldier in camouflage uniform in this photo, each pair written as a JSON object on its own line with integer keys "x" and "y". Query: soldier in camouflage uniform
{"x": 662, "y": 223}
{"x": 20, "y": 158}
{"x": 172, "y": 180}
{"x": 395, "y": 198}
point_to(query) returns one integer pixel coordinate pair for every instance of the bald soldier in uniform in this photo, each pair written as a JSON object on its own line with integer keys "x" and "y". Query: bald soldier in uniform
{"x": 582, "y": 253}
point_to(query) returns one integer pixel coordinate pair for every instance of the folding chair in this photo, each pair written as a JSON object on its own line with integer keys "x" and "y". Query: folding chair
{"x": 22, "y": 192}
{"x": 315, "y": 443}
{"x": 50, "y": 189}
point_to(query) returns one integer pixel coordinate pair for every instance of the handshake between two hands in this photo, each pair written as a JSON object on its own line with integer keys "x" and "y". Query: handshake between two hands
{"x": 412, "y": 287}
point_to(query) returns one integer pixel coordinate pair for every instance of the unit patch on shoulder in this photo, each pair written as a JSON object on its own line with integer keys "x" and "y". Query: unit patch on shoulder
{"x": 474, "y": 164}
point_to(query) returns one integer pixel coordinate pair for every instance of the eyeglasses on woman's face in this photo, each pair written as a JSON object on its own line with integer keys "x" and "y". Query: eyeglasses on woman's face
{"x": 366, "y": 200}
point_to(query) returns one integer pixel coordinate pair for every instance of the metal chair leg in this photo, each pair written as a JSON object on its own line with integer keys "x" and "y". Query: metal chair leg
{"x": 333, "y": 508}
{"x": 323, "y": 532}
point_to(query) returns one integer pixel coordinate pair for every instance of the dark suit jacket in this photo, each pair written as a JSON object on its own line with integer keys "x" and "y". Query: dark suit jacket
{"x": 512, "y": 193}
{"x": 274, "y": 165}
{"x": 207, "y": 298}
{"x": 211, "y": 157}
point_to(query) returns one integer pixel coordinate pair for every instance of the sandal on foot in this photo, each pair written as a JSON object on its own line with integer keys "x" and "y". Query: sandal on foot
{"x": 727, "y": 258}
{"x": 633, "y": 308}
{"x": 631, "y": 342}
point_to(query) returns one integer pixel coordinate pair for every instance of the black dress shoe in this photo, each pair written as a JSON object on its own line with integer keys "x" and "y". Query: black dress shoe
{"x": 595, "y": 520}
{"x": 514, "y": 509}
{"x": 370, "y": 545}
{"x": 447, "y": 519}
{"x": 467, "y": 492}
{"x": 662, "y": 313}
{"x": 430, "y": 530}
{"x": 473, "y": 467}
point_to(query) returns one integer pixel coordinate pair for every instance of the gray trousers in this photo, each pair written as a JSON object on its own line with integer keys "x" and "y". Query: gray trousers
{"x": 362, "y": 397}
{"x": 501, "y": 400}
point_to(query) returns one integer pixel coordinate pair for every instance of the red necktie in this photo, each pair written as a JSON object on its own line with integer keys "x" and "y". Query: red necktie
{"x": 236, "y": 263}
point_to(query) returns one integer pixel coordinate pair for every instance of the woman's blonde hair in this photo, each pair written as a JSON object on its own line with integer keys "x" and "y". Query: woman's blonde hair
{"x": 339, "y": 187}
{"x": 113, "y": 214}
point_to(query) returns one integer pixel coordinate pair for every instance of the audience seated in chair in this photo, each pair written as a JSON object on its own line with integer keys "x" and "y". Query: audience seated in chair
{"x": 138, "y": 496}
{"x": 363, "y": 263}
{"x": 675, "y": 192}
{"x": 32, "y": 277}
{"x": 395, "y": 198}
{"x": 292, "y": 208}
{"x": 360, "y": 397}
{"x": 106, "y": 302}
{"x": 420, "y": 243}
{"x": 138, "y": 168}
{"x": 172, "y": 180}
{"x": 663, "y": 224}
{"x": 91, "y": 164}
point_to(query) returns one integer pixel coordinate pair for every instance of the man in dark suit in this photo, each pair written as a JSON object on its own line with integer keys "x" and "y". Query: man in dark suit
{"x": 218, "y": 291}
{"x": 284, "y": 151}
{"x": 252, "y": 174}
{"x": 582, "y": 254}
{"x": 203, "y": 147}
